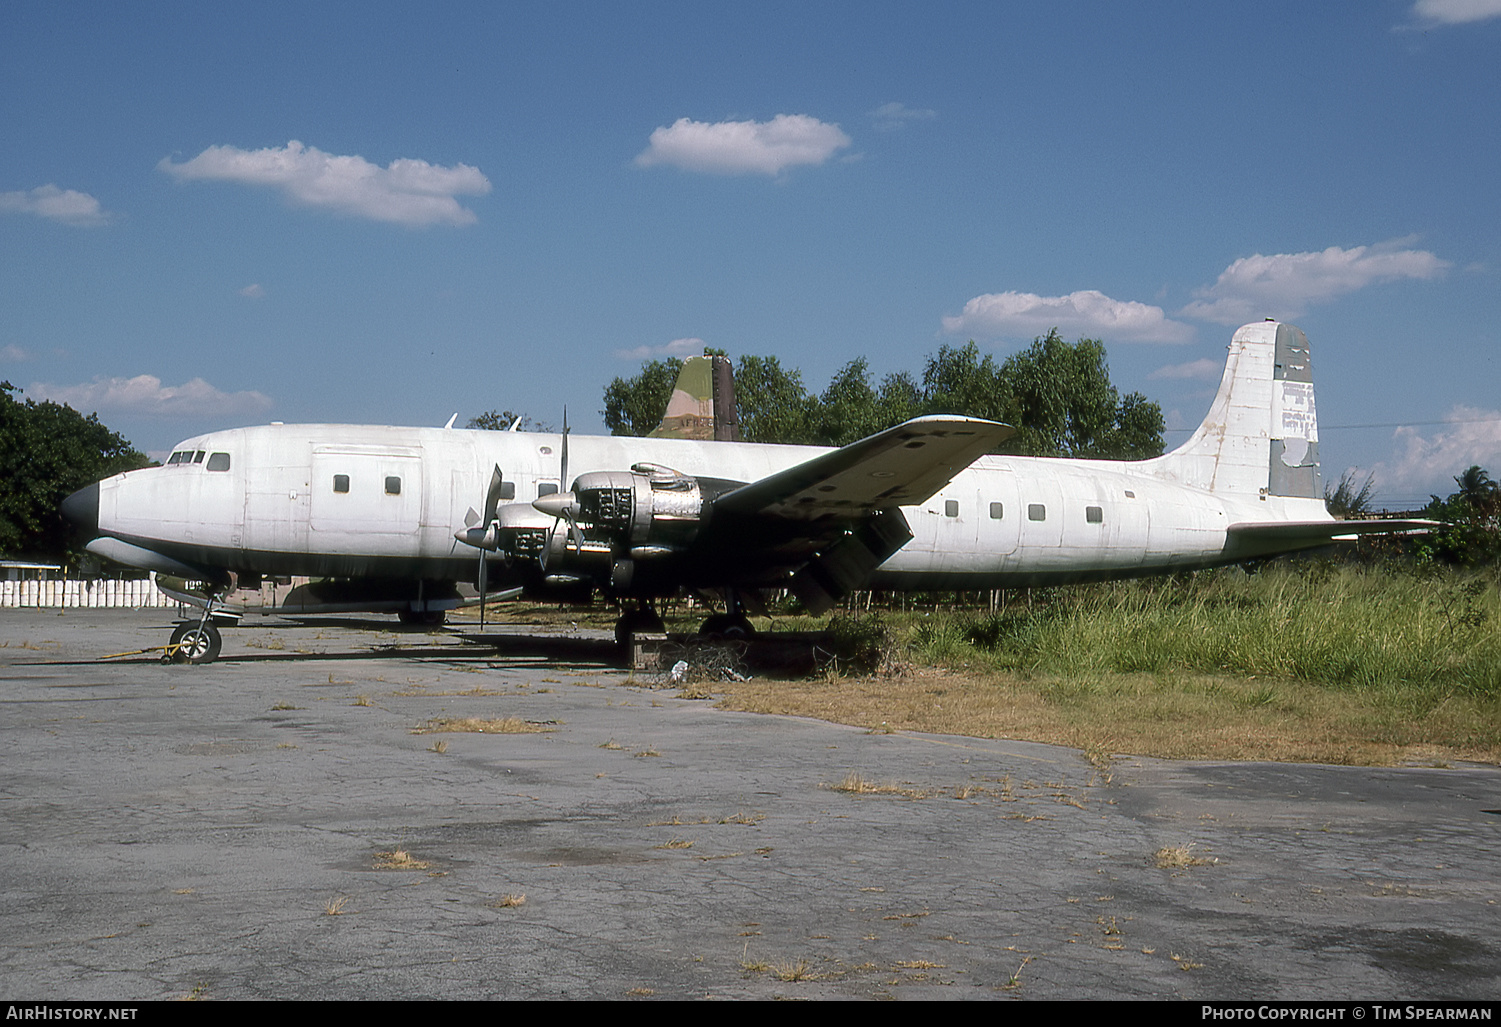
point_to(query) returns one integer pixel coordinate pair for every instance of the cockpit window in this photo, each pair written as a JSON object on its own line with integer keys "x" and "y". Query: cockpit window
{"x": 218, "y": 462}
{"x": 198, "y": 457}
{"x": 175, "y": 458}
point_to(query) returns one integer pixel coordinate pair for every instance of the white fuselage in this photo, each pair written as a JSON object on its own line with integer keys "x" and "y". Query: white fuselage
{"x": 384, "y": 502}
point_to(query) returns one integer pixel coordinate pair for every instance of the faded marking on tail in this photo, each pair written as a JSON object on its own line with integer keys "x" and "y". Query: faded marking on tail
{"x": 702, "y": 405}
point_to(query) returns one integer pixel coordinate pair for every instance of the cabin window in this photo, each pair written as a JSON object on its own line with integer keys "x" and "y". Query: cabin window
{"x": 1130, "y": 494}
{"x": 341, "y": 483}
{"x": 198, "y": 457}
{"x": 1037, "y": 512}
{"x": 393, "y": 485}
{"x": 1094, "y": 514}
{"x": 218, "y": 462}
{"x": 997, "y": 511}
{"x": 547, "y": 488}
{"x": 951, "y": 508}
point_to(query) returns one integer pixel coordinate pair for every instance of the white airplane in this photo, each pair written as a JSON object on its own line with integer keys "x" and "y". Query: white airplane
{"x": 393, "y": 518}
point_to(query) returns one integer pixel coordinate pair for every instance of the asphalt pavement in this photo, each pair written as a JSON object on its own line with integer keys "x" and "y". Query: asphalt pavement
{"x": 270, "y": 827}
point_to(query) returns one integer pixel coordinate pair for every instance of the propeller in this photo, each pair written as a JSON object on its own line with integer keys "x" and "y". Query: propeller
{"x": 561, "y": 505}
{"x": 484, "y": 534}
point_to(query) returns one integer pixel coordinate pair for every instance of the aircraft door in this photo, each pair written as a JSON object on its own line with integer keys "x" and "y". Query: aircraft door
{"x": 362, "y": 491}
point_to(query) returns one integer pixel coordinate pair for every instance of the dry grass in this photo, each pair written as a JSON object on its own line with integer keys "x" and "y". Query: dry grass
{"x": 399, "y": 859}
{"x": 335, "y": 906}
{"x": 854, "y": 784}
{"x": 676, "y": 843}
{"x": 510, "y": 900}
{"x": 479, "y": 726}
{"x": 1177, "y": 716}
{"x": 1175, "y": 857}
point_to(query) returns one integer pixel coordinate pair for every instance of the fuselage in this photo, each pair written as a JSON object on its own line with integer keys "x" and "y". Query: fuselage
{"x": 384, "y": 502}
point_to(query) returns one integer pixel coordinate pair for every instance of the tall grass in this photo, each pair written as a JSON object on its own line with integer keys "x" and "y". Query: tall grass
{"x": 1419, "y": 638}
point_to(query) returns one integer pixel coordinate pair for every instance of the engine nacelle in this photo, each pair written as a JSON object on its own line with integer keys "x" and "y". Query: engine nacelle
{"x": 651, "y": 510}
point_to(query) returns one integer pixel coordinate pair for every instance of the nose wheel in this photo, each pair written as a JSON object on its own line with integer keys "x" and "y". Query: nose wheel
{"x": 194, "y": 643}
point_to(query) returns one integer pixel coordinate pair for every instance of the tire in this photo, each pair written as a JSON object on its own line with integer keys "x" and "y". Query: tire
{"x": 728, "y": 627}
{"x": 422, "y": 618}
{"x": 192, "y": 644}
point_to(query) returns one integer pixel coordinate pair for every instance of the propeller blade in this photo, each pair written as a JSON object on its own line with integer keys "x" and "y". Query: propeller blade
{"x": 492, "y": 495}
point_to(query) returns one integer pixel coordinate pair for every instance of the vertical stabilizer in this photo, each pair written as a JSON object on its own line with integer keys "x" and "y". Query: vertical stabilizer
{"x": 702, "y": 405}
{"x": 1261, "y": 436}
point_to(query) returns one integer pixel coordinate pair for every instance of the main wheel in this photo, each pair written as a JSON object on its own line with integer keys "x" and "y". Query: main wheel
{"x": 422, "y": 618}
{"x": 637, "y": 622}
{"x": 194, "y": 644}
{"x": 727, "y": 626}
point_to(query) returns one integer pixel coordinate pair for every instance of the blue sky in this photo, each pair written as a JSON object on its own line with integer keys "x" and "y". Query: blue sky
{"x": 214, "y": 215}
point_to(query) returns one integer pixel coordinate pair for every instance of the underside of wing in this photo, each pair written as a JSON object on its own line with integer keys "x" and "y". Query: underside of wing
{"x": 900, "y": 466}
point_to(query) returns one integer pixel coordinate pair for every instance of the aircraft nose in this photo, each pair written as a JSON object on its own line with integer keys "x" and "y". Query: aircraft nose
{"x": 82, "y": 507}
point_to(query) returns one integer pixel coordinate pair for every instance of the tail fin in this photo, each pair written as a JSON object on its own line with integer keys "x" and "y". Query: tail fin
{"x": 1261, "y": 436}
{"x": 702, "y": 405}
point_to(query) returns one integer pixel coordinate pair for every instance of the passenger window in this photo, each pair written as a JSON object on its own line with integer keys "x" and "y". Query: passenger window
{"x": 951, "y": 508}
{"x": 1094, "y": 514}
{"x": 1037, "y": 512}
{"x": 341, "y": 483}
{"x": 393, "y": 485}
{"x": 218, "y": 462}
{"x": 997, "y": 511}
{"x": 547, "y": 488}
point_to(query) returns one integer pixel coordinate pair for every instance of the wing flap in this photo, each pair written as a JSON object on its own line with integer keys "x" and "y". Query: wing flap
{"x": 900, "y": 466}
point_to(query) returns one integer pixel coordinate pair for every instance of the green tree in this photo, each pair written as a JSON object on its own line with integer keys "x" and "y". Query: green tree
{"x": 774, "y": 406}
{"x": 48, "y": 452}
{"x": 1063, "y": 404}
{"x": 1472, "y": 521}
{"x": 1058, "y": 395}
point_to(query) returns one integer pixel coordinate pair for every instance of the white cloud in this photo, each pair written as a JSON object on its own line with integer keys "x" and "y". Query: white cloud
{"x": 1455, "y": 12}
{"x": 145, "y": 394}
{"x": 65, "y": 205}
{"x": 1086, "y": 313}
{"x": 253, "y": 291}
{"x": 1427, "y": 463}
{"x": 14, "y": 353}
{"x": 1206, "y": 370}
{"x": 1285, "y": 285}
{"x": 690, "y": 347}
{"x": 744, "y": 147}
{"x": 408, "y": 192}
{"x": 890, "y": 116}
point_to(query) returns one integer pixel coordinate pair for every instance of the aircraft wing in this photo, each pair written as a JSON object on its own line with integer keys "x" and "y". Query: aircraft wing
{"x": 1323, "y": 531}
{"x": 900, "y": 466}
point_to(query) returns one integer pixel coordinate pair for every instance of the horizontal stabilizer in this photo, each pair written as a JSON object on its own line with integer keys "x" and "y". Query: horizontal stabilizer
{"x": 1316, "y": 531}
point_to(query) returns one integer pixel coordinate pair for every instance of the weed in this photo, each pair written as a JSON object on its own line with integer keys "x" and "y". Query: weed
{"x": 399, "y": 859}
{"x": 510, "y": 900}
{"x": 477, "y": 725}
{"x": 676, "y": 843}
{"x": 335, "y": 906}
{"x": 439, "y": 747}
{"x": 1175, "y": 857}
